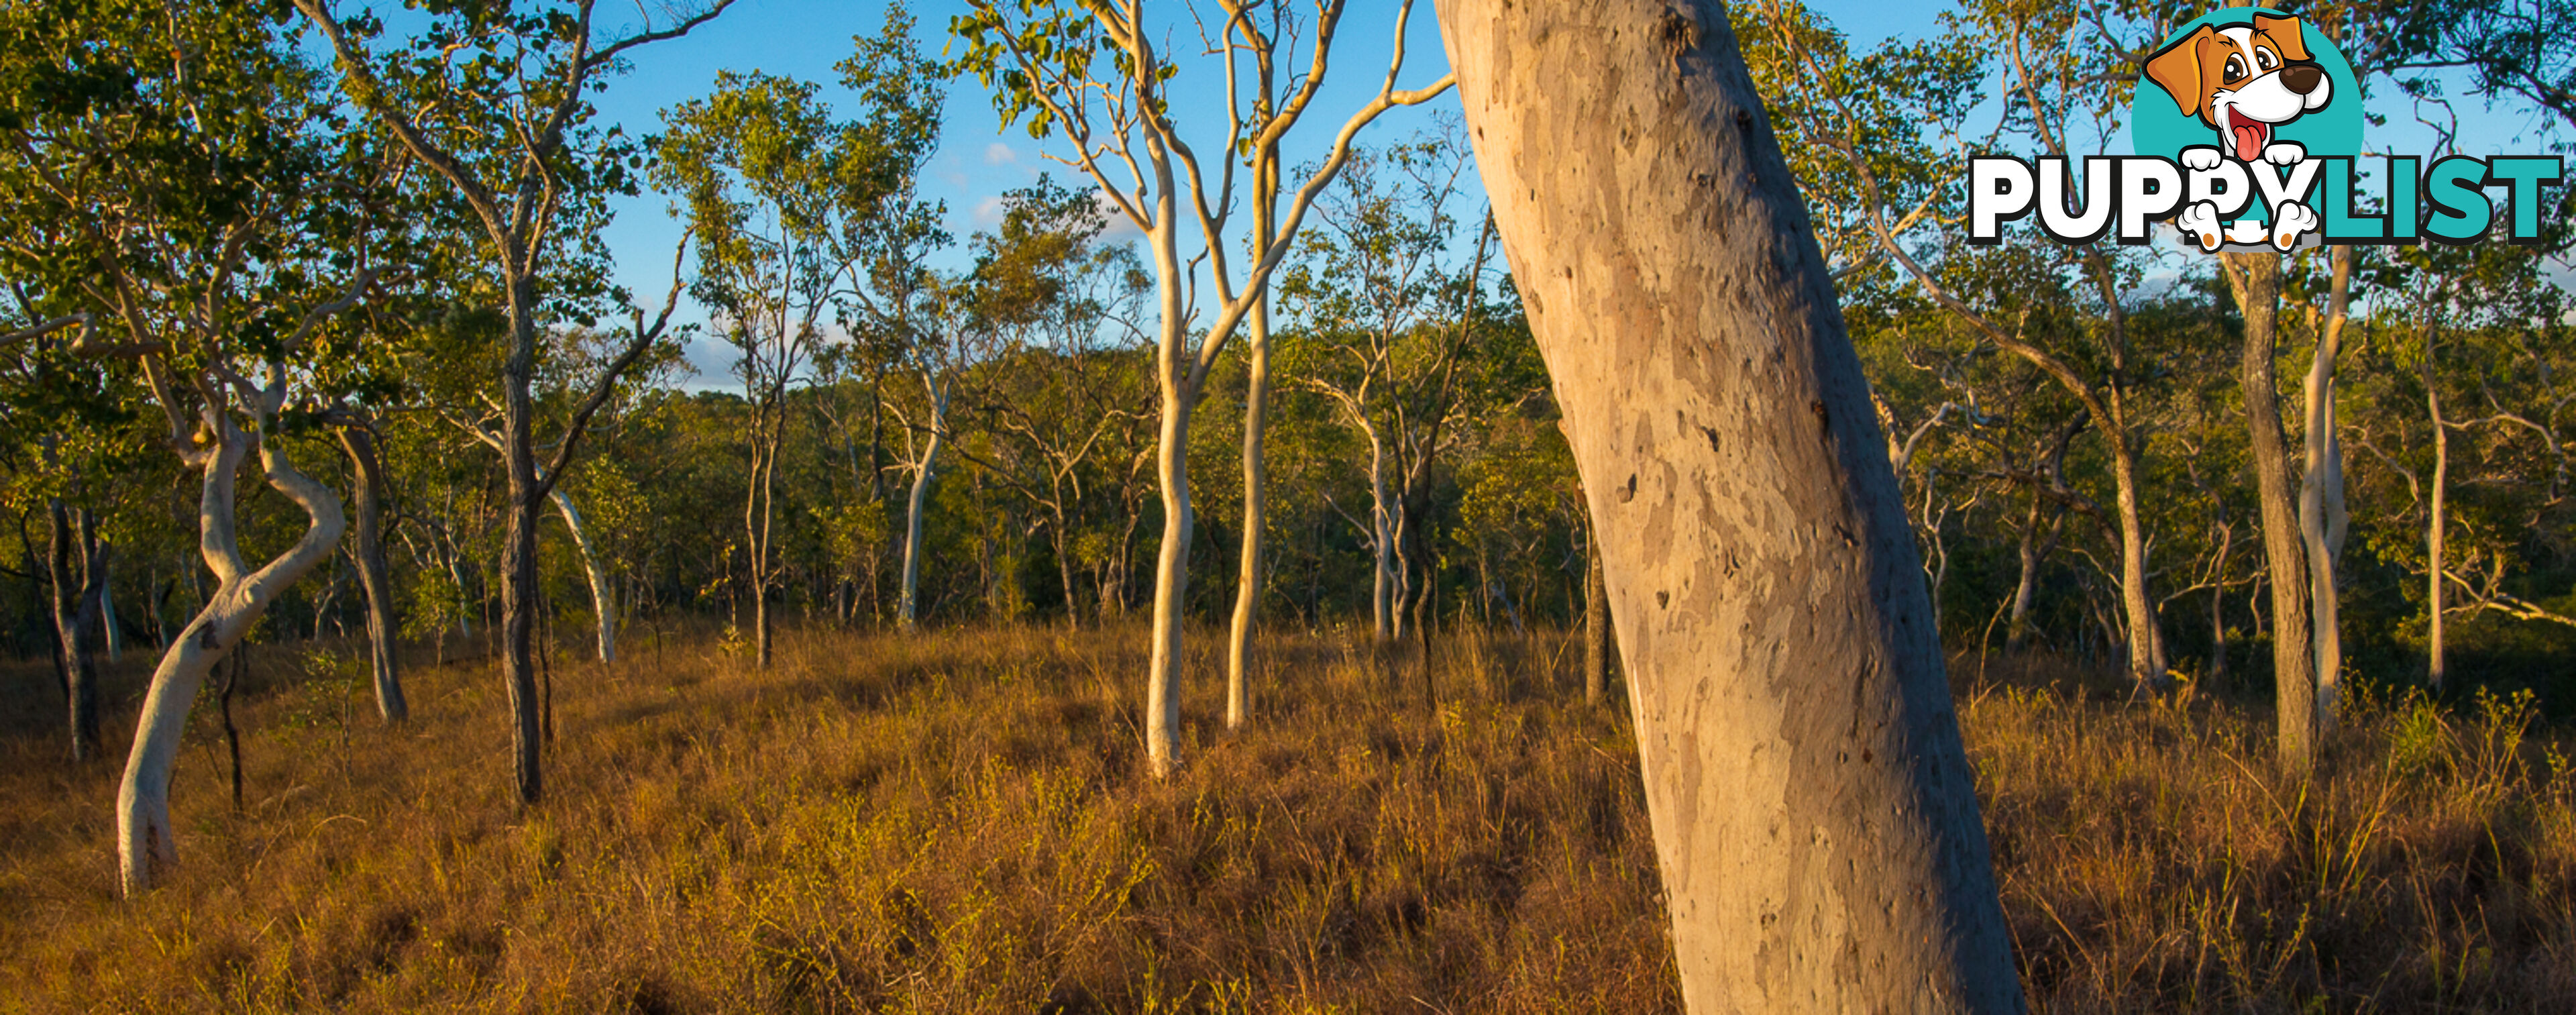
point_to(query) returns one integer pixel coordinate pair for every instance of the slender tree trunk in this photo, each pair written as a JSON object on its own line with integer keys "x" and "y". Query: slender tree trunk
{"x": 110, "y": 637}
{"x": 1247, "y": 582}
{"x": 2146, "y": 643}
{"x": 143, "y": 832}
{"x": 2321, "y": 513}
{"x": 1382, "y": 543}
{"x": 74, "y": 597}
{"x": 1596, "y": 628}
{"x": 518, "y": 563}
{"x": 2017, "y": 630}
{"x": 2256, "y": 280}
{"x": 2218, "y": 607}
{"x": 2436, "y": 658}
{"x": 1172, "y": 360}
{"x": 373, "y": 574}
{"x": 603, "y": 590}
{"x": 1813, "y": 808}
{"x": 758, "y": 513}
{"x": 908, "y": 603}
{"x": 1064, "y": 564}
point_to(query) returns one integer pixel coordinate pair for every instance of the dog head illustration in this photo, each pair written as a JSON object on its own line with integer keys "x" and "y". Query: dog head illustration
{"x": 2244, "y": 80}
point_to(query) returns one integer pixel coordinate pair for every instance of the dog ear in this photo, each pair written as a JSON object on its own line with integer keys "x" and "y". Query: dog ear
{"x": 2178, "y": 68}
{"x": 2285, "y": 33}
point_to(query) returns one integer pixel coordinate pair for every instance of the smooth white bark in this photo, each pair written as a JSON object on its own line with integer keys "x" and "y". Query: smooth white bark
{"x": 908, "y": 601}
{"x": 144, "y": 837}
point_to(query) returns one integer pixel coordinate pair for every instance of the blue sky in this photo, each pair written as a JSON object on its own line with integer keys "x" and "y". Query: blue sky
{"x": 977, "y": 161}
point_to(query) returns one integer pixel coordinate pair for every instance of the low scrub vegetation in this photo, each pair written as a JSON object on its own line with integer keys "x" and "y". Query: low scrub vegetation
{"x": 959, "y": 822}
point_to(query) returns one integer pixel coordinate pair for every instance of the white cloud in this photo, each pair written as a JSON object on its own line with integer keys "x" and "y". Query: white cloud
{"x": 988, "y": 212}
{"x": 1121, "y": 229}
{"x": 1000, "y": 154}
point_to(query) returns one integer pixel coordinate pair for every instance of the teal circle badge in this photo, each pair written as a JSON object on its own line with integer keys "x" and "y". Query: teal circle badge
{"x": 2244, "y": 79}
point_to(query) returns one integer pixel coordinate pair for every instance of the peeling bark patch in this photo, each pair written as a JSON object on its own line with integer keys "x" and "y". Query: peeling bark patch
{"x": 206, "y": 638}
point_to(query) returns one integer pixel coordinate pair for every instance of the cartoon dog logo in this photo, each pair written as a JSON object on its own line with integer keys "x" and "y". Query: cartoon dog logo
{"x": 2245, "y": 81}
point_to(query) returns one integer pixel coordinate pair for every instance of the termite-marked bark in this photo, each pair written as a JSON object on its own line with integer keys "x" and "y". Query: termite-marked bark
{"x": 1812, "y": 806}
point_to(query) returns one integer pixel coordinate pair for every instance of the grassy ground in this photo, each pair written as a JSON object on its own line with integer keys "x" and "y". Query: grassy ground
{"x": 957, "y": 823}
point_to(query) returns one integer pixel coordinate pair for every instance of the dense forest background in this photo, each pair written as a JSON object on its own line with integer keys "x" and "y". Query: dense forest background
{"x": 1005, "y": 379}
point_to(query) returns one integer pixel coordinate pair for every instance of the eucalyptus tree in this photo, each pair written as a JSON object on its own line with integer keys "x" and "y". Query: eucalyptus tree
{"x": 1041, "y": 58}
{"x": 1067, "y": 304}
{"x": 72, "y": 440}
{"x": 221, "y": 220}
{"x": 786, "y": 204}
{"x": 1879, "y": 177}
{"x": 1781, "y": 662}
{"x": 495, "y": 101}
{"x": 1384, "y": 312}
{"x": 922, "y": 320}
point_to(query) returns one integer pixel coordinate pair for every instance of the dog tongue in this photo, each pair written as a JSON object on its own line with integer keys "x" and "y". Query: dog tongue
{"x": 2249, "y": 139}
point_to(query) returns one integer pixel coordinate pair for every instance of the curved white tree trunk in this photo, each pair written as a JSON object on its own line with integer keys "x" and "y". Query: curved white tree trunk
{"x": 603, "y": 595}
{"x": 1814, "y": 814}
{"x": 143, "y": 833}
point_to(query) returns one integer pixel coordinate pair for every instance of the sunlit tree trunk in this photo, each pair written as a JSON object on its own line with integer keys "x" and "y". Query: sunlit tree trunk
{"x": 2256, "y": 280}
{"x": 594, "y": 568}
{"x": 1381, "y": 541}
{"x": 1812, "y": 805}
{"x": 143, "y": 831}
{"x": 2321, "y": 507}
{"x": 1247, "y": 587}
{"x": 1172, "y": 479}
{"x": 908, "y": 599}
{"x": 373, "y": 574}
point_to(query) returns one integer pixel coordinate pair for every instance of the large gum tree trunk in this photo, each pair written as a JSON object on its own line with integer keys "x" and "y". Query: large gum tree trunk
{"x": 373, "y": 574}
{"x": 1812, "y": 806}
{"x": 2256, "y": 280}
{"x": 143, "y": 833}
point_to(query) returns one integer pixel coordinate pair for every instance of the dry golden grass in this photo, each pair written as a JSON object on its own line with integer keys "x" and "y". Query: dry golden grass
{"x": 957, "y": 823}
